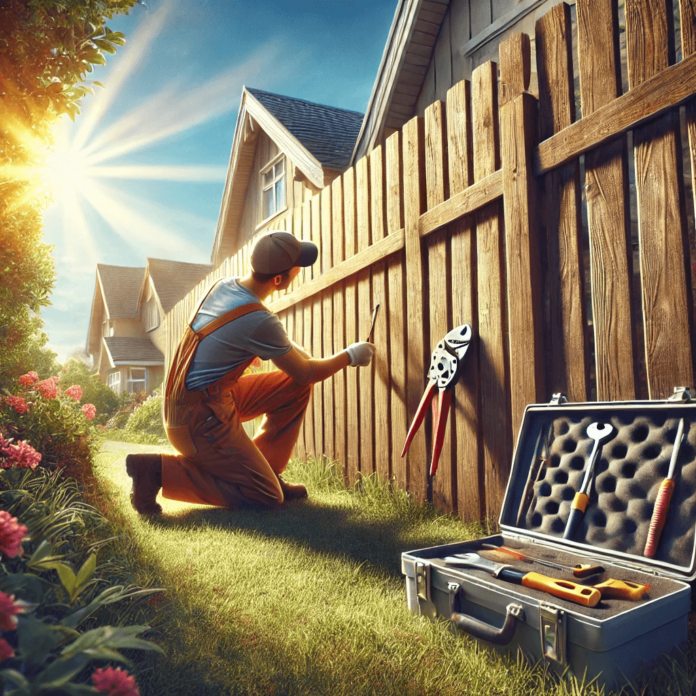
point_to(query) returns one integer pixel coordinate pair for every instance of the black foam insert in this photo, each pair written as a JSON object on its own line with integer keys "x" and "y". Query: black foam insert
{"x": 632, "y": 465}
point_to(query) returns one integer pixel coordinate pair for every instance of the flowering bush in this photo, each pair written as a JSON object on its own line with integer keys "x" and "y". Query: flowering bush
{"x": 51, "y": 419}
{"x": 11, "y": 535}
{"x": 147, "y": 418}
{"x": 114, "y": 682}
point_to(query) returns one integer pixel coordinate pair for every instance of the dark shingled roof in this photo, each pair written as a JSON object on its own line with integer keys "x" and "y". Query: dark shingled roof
{"x": 327, "y": 132}
{"x": 121, "y": 289}
{"x": 175, "y": 279}
{"x": 125, "y": 349}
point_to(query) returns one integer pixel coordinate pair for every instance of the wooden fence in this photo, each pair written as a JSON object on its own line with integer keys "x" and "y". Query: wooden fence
{"x": 472, "y": 214}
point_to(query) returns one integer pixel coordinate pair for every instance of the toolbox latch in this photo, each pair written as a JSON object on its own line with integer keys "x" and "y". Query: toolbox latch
{"x": 553, "y": 634}
{"x": 423, "y": 580}
{"x": 558, "y": 399}
{"x": 681, "y": 395}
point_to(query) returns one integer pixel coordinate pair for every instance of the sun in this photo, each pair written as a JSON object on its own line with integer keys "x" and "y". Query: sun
{"x": 63, "y": 172}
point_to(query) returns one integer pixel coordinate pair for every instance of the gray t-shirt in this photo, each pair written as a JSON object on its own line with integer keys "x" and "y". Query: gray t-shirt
{"x": 255, "y": 334}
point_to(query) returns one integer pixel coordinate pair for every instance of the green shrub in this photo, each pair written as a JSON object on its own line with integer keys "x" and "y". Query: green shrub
{"x": 94, "y": 391}
{"x": 147, "y": 418}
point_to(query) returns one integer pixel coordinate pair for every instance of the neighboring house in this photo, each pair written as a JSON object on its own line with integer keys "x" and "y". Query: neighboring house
{"x": 284, "y": 150}
{"x": 126, "y": 339}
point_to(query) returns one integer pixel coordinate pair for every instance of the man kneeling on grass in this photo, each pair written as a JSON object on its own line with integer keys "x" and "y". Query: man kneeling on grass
{"x": 207, "y": 399}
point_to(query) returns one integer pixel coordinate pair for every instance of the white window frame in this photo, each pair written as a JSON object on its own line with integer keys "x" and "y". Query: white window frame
{"x": 280, "y": 178}
{"x": 131, "y": 380}
{"x": 114, "y": 381}
{"x": 152, "y": 315}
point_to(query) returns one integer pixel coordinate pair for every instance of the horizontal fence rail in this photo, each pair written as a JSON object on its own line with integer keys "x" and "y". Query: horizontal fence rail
{"x": 473, "y": 214}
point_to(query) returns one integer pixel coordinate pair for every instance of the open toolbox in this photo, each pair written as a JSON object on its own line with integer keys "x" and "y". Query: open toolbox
{"x": 565, "y": 619}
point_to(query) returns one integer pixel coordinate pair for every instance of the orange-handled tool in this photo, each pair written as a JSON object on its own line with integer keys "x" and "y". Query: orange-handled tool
{"x": 664, "y": 496}
{"x": 621, "y": 589}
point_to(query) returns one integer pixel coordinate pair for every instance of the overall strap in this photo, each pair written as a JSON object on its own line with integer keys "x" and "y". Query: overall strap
{"x": 228, "y": 317}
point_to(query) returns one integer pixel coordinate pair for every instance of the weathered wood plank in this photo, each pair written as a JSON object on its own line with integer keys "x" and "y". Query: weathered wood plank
{"x": 567, "y": 366}
{"x": 467, "y": 201}
{"x": 327, "y": 317}
{"x": 606, "y": 191}
{"x": 493, "y": 359}
{"x": 687, "y": 11}
{"x": 308, "y": 343}
{"x": 414, "y": 204}
{"x": 317, "y": 335}
{"x": 397, "y": 311}
{"x": 380, "y": 295}
{"x": 339, "y": 331}
{"x": 515, "y": 67}
{"x": 365, "y": 375}
{"x": 642, "y": 103}
{"x": 466, "y": 397}
{"x": 351, "y": 295}
{"x": 661, "y": 219}
{"x": 439, "y": 287}
{"x": 303, "y": 449}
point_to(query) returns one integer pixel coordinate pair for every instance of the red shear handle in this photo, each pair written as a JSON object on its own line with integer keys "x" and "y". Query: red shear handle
{"x": 659, "y": 516}
{"x": 442, "y": 413}
{"x": 420, "y": 414}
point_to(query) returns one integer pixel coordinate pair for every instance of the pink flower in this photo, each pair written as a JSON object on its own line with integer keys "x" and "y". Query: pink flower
{"x": 114, "y": 682}
{"x": 23, "y": 455}
{"x": 75, "y": 392}
{"x": 48, "y": 389}
{"x": 6, "y": 651}
{"x": 8, "y": 609}
{"x": 11, "y": 535}
{"x": 29, "y": 379}
{"x": 17, "y": 403}
{"x": 89, "y": 410}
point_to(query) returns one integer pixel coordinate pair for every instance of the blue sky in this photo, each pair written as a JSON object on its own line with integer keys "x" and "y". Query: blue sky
{"x": 168, "y": 111}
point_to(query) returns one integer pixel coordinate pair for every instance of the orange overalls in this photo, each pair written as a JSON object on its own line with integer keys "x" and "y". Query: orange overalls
{"x": 218, "y": 463}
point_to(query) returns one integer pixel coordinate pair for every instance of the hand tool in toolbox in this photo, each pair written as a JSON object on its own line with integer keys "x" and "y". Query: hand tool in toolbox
{"x": 582, "y": 570}
{"x": 370, "y": 337}
{"x": 538, "y": 466}
{"x": 664, "y": 497}
{"x": 565, "y": 589}
{"x": 622, "y": 589}
{"x": 445, "y": 368}
{"x": 600, "y": 433}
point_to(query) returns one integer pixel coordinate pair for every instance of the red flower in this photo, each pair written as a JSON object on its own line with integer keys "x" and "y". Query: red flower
{"x": 48, "y": 389}
{"x": 6, "y": 651}
{"x": 8, "y": 609}
{"x": 114, "y": 682}
{"x": 29, "y": 379}
{"x": 11, "y": 535}
{"x": 89, "y": 410}
{"x": 17, "y": 403}
{"x": 75, "y": 392}
{"x": 23, "y": 455}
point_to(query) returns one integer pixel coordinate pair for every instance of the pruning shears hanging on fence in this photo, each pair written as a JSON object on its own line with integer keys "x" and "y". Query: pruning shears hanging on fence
{"x": 445, "y": 367}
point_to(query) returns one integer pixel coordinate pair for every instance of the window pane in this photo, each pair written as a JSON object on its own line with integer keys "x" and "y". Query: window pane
{"x": 267, "y": 203}
{"x": 268, "y": 178}
{"x": 280, "y": 193}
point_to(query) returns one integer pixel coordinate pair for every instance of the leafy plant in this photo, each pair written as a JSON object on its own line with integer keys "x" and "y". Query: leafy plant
{"x": 147, "y": 418}
{"x": 94, "y": 391}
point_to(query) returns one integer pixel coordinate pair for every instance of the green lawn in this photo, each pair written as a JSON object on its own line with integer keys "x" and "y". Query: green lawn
{"x": 308, "y": 599}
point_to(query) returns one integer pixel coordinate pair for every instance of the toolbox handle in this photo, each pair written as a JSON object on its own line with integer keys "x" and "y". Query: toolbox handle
{"x": 480, "y": 629}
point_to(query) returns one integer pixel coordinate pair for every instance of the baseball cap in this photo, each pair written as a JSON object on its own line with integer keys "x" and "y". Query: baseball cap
{"x": 277, "y": 252}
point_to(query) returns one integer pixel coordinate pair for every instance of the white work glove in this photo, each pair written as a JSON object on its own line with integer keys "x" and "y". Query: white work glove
{"x": 360, "y": 353}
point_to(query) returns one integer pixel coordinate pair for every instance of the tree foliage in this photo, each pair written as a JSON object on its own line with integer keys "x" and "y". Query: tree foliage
{"x": 47, "y": 50}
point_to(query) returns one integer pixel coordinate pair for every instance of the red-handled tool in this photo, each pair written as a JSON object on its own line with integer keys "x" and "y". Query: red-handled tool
{"x": 664, "y": 497}
{"x": 445, "y": 365}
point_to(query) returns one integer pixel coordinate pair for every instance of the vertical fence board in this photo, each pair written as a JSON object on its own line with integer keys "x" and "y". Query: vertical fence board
{"x": 661, "y": 219}
{"x": 298, "y": 328}
{"x": 380, "y": 363}
{"x": 397, "y": 312}
{"x": 327, "y": 307}
{"x": 317, "y": 332}
{"x": 493, "y": 359}
{"x": 466, "y": 398}
{"x": 414, "y": 206}
{"x": 567, "y": 357}
{"x": 525, "y": 316}
{"x": 515, "y": 67}
{"x": 352, "y": 394}
{"x": 310, "y": 444}
{"x": 439, "y": 286}
{"x": 339, "y": 332}
{"x": 608, "y": 216}
{"x": 365, "y": 377}
{"x": 687, "y": 9}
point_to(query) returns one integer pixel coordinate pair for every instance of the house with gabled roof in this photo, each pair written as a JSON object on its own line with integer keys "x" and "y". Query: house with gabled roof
{"x": 126, "y": 338}
{"x": 284, "y": 150}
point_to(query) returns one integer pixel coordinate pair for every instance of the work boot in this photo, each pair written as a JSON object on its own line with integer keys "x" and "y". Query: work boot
{"x": 292, "y": 491}
{"x": 146, "y": 472}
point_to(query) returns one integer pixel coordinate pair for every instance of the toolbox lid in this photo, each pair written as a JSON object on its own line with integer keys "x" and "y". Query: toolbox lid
{"x": 550, "y": 464}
